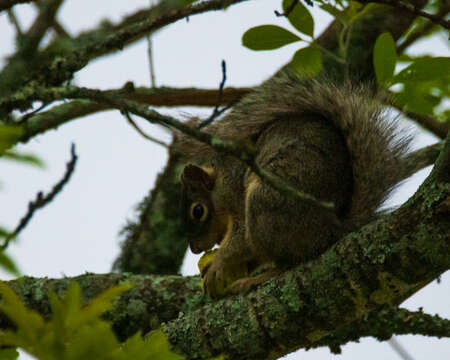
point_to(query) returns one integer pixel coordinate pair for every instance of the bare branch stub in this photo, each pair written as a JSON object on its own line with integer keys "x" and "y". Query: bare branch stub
{"x": 288, "y": 10}
{"x": 143, "y": 134}
{"x": 216, "y": 111}
{"x": 42, "y": 200}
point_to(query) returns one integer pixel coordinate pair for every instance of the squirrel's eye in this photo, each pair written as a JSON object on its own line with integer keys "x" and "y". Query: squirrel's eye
{"x": 198, "y": 211}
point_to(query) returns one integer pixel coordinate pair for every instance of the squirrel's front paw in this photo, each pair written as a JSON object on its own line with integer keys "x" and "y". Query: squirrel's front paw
{"x": 243, "y": 285}
{"x": 213, "y": 279}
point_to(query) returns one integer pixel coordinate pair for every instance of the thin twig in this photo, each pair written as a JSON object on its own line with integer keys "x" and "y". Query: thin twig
{"x": 399, "y": 349}
{"x": 148, "y": 137}
{"x": 42, "y": 200}
{"x": 216, "y": 111}
{"x": 150, "y": 61}
{"x": 150, "y": 56}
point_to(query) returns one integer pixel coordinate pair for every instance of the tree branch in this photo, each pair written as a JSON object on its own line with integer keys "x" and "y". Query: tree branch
{"x": 438, "y": 128}
{"x": 424, "y": 29}
{"x": 54, "y": 71}
{"x": 7, "y": 4}
{"x": 385, "y": 323}
{"x": 327, "y": 301}
{"x": 383, "y": 263}
{"x": 64, "y": 113}
{"x": 31, "y": 40}
{"x": 412, "y": 9}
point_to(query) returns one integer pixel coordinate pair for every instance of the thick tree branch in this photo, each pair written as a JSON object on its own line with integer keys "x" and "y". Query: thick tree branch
{"x": 381, "y": 264}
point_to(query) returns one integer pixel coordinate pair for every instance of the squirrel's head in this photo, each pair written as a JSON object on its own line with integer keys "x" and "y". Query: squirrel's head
{"x": 204, "y": 228}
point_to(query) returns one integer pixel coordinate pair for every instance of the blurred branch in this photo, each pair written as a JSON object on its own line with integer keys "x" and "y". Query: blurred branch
{"x": 12, "y": 18}
{"x": 399, "y": 349}
{"x": 6, "y": 4}
{"x": 43, "y": 200}
{"x": 45, "y": 19}
{"x": 412, "y": 9}
{"x": 421, "y": 158}
{"x": 438, "y": 128}
{"x": 80, "y": 51}
{"x": 385, "y": 323}
{"x": 423, "y": 29}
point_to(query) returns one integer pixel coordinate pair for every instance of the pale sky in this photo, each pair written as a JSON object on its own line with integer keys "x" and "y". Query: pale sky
{"x": 78, "y": 232}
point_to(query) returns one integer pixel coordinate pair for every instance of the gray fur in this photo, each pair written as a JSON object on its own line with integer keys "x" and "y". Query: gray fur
{"x": 372, "y": 138}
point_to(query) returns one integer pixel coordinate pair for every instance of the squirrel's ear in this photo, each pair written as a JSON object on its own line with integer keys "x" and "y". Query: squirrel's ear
{"x": 196, "y": 176}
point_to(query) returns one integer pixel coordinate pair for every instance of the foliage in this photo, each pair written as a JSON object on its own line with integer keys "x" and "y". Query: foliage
{"x": 75, "y": 332}
{"x": 424, "y": 82}
{"x": 306, "y": 61}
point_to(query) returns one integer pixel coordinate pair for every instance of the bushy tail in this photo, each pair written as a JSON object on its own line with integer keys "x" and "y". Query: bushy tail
{"x": 373, "y": 140}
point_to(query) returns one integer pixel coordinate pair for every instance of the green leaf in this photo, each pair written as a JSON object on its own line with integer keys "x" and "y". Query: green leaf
{"x": 23, "y": 158}
{"x": 160, "y": 347}
{"x": 102, "y": 303}
{"x": 300, "y": 17}
{"x": 9, "y": 354}
{"x": 29, "y": 323}
{"x": 335, "y": 12}
{"x": 9, "y": 135}
{"x": 384, "y": 58}
{"x": 418, "y": 98}
{"x": 7, "y": 264}
{"x": 425, "y": 69}
{"x": 307, "y": 61}
{"x": 268, "y": 37}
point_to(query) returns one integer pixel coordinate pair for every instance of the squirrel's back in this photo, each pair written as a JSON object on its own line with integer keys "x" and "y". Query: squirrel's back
{"x": 372, "y": 138}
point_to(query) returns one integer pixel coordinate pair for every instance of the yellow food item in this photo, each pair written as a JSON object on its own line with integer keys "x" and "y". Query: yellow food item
{"x": 231, "y": 273}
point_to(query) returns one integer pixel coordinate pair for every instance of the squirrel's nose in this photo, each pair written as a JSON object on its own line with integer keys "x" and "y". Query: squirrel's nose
{"x": 194, "y": 248}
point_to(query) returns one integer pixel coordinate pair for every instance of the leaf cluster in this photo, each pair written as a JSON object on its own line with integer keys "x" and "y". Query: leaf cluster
{"x": 425, "y": 82}
{"x": 74, "y": 331}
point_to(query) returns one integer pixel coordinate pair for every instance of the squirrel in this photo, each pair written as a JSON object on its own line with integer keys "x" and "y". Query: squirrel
{"x": 331, "y": 141}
